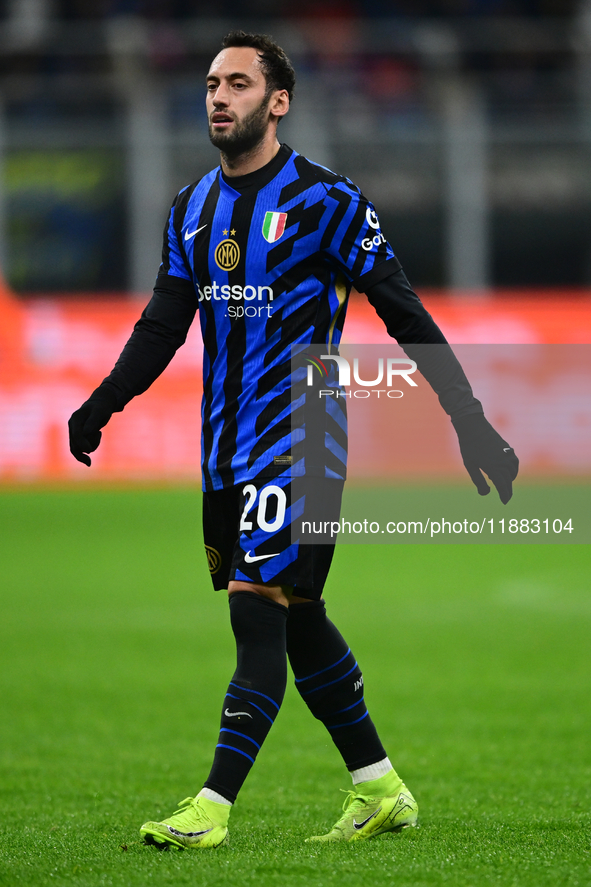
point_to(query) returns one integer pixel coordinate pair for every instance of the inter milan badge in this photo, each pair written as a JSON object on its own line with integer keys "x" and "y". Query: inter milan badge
{"x": 214, "y": 559}
{"x": 274, "y": 226}
{"x": 227, "y": 255}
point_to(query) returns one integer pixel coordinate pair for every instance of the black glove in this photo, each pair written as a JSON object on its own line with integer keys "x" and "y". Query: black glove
{"x": 86, "y": 423}
{"x": 484, "y": 448}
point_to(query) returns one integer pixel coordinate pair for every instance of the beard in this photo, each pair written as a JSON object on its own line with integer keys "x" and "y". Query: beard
{"x": 246, "y": 135}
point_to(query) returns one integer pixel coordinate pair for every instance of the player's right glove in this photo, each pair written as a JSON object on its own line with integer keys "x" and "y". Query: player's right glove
{"x": 86, "y": 423}
{"x": 483, "y": 448}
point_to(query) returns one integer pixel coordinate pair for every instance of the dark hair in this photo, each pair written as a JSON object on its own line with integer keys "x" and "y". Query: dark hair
{"x": 277, "y": 68}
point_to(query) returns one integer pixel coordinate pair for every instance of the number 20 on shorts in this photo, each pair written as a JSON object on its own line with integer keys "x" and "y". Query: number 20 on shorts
{"x": 251, "y": 492}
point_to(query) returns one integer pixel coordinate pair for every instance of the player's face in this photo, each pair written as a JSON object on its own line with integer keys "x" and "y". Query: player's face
{"x": 237, "y": 101}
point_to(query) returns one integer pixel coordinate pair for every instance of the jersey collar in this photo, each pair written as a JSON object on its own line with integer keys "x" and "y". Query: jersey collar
{"x": 260, "y": 177}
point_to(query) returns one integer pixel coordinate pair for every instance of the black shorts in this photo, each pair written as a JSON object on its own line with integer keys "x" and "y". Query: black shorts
{"x": 250, "y": 534}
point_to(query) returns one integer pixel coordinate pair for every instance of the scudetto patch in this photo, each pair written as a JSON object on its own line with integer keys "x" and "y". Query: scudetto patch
{"x": 274, "y": 226}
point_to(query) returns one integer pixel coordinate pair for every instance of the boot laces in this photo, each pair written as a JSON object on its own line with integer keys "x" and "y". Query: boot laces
{"x": 188, "y": 810}
{"x": 353, "y": 804}
{"x": 188, "y": 802}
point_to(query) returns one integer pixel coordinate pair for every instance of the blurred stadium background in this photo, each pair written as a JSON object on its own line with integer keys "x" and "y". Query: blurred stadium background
{"x": 467, "y": 122}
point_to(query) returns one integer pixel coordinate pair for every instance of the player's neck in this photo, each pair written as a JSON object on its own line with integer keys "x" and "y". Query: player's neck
{"x": 252, "y": 160}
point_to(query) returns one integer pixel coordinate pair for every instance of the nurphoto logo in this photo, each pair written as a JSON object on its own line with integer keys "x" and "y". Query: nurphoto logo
{"x": 396, "y": 368}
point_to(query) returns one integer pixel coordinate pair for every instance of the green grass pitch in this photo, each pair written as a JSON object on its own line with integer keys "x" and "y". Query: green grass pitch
{"x": 115, "y": 654}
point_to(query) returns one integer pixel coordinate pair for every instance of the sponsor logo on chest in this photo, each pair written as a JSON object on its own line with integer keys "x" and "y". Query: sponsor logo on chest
{"x": 227, "y": 257}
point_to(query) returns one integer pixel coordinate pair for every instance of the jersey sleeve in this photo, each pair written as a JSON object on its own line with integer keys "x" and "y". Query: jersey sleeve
{"x": 354, "y": 240}
{"x": 174, "y": 262}
{"x": 158, "y": 334}
{"x": 164, "y": 323}
{"x": 409, "y": 322}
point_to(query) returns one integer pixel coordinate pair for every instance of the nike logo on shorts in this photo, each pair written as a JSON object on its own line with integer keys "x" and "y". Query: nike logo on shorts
{"x": 189, "y": 234}
{"x": 234, "y": 714}
{"x": 250, "y": 559}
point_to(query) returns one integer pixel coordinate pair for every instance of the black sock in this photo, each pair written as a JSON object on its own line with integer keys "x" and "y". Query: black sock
{"x": 256, "y": 690}
{"x": 331, "y": 684}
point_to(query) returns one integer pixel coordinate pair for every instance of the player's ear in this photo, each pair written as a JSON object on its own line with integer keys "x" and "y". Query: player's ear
{"x": 279, "y": 104}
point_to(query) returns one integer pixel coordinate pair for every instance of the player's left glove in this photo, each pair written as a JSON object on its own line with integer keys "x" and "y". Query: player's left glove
{"x": 483, "y": 448}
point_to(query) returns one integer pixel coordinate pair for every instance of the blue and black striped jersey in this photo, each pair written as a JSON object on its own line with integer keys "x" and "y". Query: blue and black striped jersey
{"x": 272, "y": 257}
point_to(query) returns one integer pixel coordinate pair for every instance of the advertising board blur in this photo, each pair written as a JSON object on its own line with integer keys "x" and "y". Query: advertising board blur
{"x": 54, "y": 352}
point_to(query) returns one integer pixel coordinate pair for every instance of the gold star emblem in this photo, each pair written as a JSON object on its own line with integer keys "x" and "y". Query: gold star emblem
{"x": 233, "y": 232}
{"x": 225, "y": 231}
